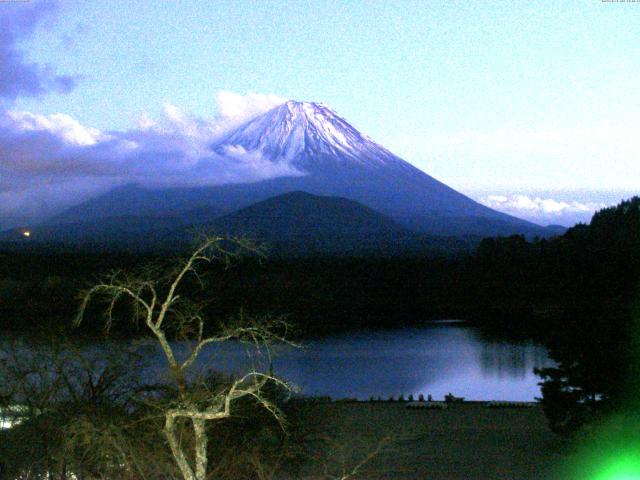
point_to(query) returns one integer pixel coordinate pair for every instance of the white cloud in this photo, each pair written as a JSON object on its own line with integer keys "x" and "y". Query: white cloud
{"x": 239, "y": 108}
{"x": 542, "y": 210}
{"x": 58, "y": 124}
{"x": 193, "y": 135}
{"x": 51, "y": 161}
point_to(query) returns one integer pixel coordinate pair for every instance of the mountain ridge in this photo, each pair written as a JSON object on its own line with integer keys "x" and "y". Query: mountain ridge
{"x": 291, "y": 224}
{"x": 335, "y": 160}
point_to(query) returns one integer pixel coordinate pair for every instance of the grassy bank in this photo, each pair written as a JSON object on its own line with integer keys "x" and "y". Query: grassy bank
{"x": 465, "y": 441}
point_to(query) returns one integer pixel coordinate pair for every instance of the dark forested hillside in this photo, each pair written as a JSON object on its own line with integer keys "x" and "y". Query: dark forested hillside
{"x": 534, "y": 288}
{"x": 320, "y": 295}
{"x": 577, "y": 292}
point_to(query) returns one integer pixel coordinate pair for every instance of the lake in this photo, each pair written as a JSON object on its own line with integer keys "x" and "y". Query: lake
{"x": 440, "y": 358}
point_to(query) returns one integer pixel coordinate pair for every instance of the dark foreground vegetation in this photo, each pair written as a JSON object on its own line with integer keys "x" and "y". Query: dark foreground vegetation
{"x": 532, "y": 288}
{"x": 578, "y": 293}
{"x": 464, "y": 441}
{"x": 107, "y": 425}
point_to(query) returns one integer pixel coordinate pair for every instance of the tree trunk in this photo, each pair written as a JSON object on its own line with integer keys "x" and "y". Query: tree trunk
{"x": 176, "y": 450}
{"x": 201, "y": 448}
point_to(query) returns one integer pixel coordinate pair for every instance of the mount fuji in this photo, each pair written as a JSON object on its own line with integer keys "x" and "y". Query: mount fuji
{"x": 328, "y": 157}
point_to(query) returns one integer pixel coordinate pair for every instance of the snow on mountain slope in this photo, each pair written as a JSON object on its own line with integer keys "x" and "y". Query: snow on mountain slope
{"x": 331, "y": 158}
{"x": 339, "y": 160}
{"x": 301, "y": 133}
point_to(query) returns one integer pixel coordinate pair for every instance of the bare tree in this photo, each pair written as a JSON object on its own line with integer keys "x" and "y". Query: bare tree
{"x": 166, "y": 311}
{"x": 74, "y": 415}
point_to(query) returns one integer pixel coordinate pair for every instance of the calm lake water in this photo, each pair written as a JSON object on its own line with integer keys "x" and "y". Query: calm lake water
{"x": 443, "y": 357}
{"x": 434, "y": 360}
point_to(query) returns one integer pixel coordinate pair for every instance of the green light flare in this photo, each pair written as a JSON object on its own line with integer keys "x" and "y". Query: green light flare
{"x": 625, "y": 467}
{"x": 610, "y": 452}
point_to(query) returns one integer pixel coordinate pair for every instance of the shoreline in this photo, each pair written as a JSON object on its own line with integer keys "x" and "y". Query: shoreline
{"x": 462, "y": 442}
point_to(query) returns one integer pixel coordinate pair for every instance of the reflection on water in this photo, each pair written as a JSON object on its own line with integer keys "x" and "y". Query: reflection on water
{"x": 441, "y": 358}
{"x": 507, "y": 360}
{"x": 434, "y": 360}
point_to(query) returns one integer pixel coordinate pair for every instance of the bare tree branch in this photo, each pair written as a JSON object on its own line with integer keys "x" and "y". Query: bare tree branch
{"x": 170, "y": 312}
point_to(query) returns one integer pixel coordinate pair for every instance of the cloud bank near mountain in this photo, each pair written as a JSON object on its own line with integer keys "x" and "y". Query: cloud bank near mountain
{"x": 53, "y": 161}
{"x": 543, "y": 210}
{"x": 50, "y": 162}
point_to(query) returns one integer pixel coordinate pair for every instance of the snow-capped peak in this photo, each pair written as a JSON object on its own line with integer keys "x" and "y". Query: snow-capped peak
{"x": 307, "y": 135}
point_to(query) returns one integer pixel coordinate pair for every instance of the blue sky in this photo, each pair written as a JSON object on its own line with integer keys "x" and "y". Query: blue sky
{"x": 517, "y": 104}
